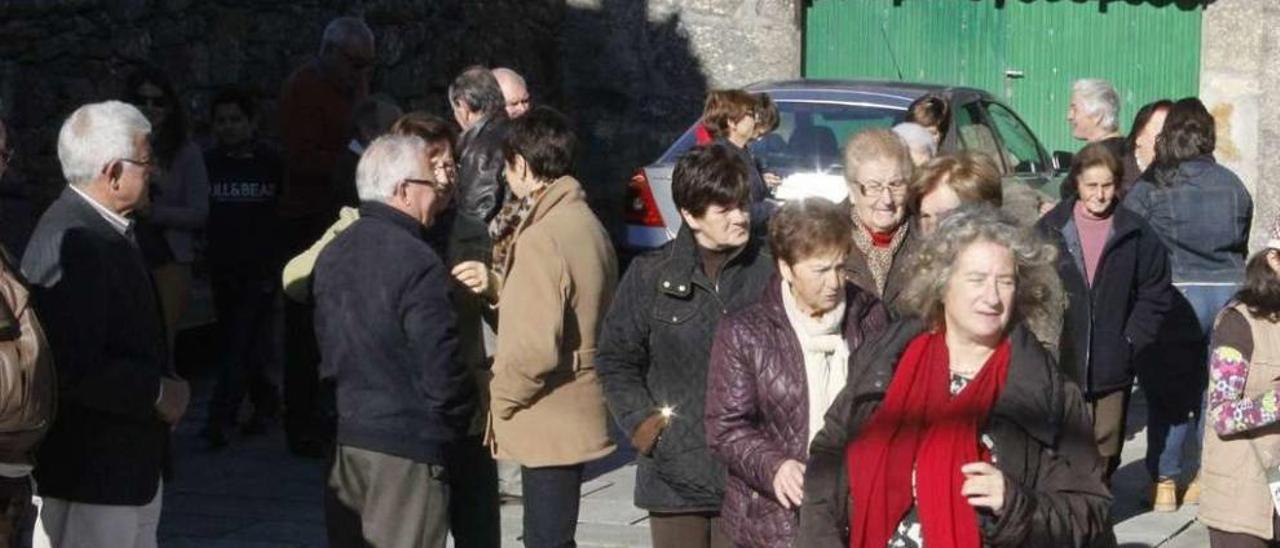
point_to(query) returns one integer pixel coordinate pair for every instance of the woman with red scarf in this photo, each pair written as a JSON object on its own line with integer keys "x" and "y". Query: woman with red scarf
{"x": 960, "y": 431}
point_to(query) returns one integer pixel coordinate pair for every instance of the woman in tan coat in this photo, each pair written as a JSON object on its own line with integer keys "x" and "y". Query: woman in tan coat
{"x": 553, "y": 277}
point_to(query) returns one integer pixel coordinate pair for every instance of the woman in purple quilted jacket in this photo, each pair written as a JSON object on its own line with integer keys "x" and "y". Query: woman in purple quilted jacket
{"x": 777, "y": 365}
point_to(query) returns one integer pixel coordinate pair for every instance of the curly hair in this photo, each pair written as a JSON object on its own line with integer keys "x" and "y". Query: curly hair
{"x": 1039, "y": 300}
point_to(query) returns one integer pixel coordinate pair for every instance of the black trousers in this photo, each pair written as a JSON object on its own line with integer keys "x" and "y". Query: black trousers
{"x": 474, "y": 516}
{"x": 380, "y": 500}
{"x": 551, "y": 497}
{"x": 303, "y": 421}
{"x": 246, "y": 321}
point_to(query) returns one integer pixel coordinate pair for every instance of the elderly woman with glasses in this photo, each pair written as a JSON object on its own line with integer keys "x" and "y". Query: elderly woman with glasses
{"x": 959, "y": 429}
{"x": 878, "y": 167}
{"x": 776, "y": 366}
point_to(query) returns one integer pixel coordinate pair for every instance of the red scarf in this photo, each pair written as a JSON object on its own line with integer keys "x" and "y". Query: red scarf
{"x": 881, "y": 239}
{"x": 921, "y": 424}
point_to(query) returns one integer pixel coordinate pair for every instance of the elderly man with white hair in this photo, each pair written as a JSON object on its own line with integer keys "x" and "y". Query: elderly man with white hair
{"x": 386, "y": 330}
{"x": 316, "y": 104}
{"x": 99, "y": 473}
{"x": 1094, "y": 114}
{"x": 514, "y": 91}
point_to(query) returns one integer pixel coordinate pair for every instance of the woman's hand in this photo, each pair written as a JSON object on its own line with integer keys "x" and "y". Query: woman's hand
{"x": 771, "y": 180}
{"x": 477, "y": 277}
{"x": 788, "y": 484}
{"x": 983, "y": 486}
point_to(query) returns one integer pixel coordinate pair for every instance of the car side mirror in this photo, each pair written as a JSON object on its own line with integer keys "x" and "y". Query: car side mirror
{"x": 1062, "y": 160}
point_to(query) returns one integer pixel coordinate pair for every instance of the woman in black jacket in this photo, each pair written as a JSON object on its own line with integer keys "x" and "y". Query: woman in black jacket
{"x": 959, "y": 430}
{"x": 1116, "y": 274}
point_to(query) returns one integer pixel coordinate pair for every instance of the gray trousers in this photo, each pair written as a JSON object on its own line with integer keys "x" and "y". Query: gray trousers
{"x": 384, "y": 501}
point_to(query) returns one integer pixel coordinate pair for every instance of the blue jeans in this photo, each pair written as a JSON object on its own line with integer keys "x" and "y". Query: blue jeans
{"x": 1175, "y": 429}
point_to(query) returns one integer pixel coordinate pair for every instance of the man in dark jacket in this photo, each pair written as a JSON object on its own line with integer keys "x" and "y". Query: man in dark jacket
{"x": 100, "y": 466}
{"x": 479, "y": 108}
{"x": 1116, "y": 274}
{"x": 656, "y": 343}
{"x": 386, "y": 332}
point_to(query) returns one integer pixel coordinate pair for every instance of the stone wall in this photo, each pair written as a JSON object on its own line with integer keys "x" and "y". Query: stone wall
{"x": 1238, "y": 80}
{"x": 632, "y": 73}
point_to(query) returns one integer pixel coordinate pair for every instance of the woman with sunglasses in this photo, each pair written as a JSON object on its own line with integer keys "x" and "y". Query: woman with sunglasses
{"x": 179, "y": 193}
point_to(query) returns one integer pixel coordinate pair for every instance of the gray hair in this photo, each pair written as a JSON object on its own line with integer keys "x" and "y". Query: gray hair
{"x": 1038, "y": 296}
{"x": 1099, "y": 100}
{"x": 387, "y": 162}
{"x": 916, "y": 137}
{"x": 97, "y": 134}
{"x": 345, "y": 31}
{"x": 478, "y": 90}
{"x": 504, "y": 72}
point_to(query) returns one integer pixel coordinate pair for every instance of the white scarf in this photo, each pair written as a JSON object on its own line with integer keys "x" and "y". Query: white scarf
{"x": 826, "y": 355}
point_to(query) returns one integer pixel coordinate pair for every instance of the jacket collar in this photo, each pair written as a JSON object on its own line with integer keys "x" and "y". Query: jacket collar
{"x": 677, "y": 274}
{"x": 1032, "y": 393}
{"x": 97, "y": 215}
{"x": 397, "y": 218}
{"x": 561, "y": 192}
{"x": 1123, "y": 220}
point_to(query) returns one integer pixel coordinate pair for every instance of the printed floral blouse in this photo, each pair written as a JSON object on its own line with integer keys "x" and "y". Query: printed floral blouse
{"x": 1228, "y": 410}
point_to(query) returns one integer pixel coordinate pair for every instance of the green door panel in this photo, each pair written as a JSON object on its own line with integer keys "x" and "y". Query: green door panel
{"x": 1027, "y": 52}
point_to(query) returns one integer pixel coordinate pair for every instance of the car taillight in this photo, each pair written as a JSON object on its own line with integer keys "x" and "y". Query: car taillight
{"x": 641, "y": 209}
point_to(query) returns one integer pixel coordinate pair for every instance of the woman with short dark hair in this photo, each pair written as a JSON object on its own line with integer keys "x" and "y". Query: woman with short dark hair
{"x": 1202, "y": 212}
{"x": 959, "y": 429}
{"x": 656, "y": 343}
{"x": 777, "y": 365}
{"x": 1243, "y": 446}
{"x": 554, "y": 273}
{"x": 1116, "y": 274}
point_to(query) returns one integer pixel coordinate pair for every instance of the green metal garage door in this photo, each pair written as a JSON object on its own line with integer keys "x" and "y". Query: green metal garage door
{"x": 1026, "y": 51}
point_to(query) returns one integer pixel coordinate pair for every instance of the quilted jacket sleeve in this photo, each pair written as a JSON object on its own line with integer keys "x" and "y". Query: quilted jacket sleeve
{"x": 732, "y": 410}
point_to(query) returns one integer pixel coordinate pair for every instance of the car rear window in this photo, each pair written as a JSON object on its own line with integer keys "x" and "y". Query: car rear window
{"x": 810, "y": 136}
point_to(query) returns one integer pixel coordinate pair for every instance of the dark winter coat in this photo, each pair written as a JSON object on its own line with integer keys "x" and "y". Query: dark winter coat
{"x": 757, "y": 413}
{"x": 1109, "y": 324}
{"x": 1054, "y": 493}
{"x": 858, "y": 271}
{"x": 386, "y": 332}
{"x": 653, "y": 352}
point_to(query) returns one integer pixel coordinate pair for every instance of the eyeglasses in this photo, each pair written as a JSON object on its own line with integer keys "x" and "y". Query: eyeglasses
{"x": 437, "y": 186}
{"x": 357, "y": 62}
{"x": 896, "y": 188}
{"x": 145, "y": 164}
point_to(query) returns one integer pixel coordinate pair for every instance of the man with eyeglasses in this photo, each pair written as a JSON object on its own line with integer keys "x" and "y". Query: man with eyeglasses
{"x": 315, "y": 113}
{"x": 118, "y": 396}
{"x": 878, "y": 169}
{"x": 386, "y": 326}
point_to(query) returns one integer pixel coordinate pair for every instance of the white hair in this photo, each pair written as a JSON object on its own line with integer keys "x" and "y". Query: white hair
{"x": 1099, "y": 100}
{"x": 917, "y": 137}
{"x": 389, "y": 160}
{"x": 345, "y": 31}
{"x": 97, "y": 134}
{"x": 504, "y": 72}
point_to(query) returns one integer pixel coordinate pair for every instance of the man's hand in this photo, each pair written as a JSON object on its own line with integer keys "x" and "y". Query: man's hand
{"x": 477, "y": 278}
{"x": 175, "y": 394}
{"x": 788, "y": 484}
{"x": 771, "y": 180}
{"x": 983, "y": 486}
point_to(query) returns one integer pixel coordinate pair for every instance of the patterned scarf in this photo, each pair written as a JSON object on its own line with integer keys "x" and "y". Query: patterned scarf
{"x": 503, "y": 227}
{"x": 879, "y": 259}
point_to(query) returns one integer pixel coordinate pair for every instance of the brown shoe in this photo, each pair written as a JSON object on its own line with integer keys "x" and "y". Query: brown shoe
{"x": 1165, "y": 498}
{"x": 1192, "y": 495}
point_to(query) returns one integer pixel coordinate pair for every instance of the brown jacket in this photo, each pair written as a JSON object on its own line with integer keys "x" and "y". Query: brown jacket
{"x": 858, "y": 271}
{"x": 1235, "y": 496}
{"x": 547, "y": 405}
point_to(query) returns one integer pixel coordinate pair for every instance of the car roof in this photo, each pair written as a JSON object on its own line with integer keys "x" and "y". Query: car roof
{"x": 895, "y": 94}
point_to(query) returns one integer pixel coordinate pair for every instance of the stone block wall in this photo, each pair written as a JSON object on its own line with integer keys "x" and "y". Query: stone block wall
{"x": 632, "y": 73}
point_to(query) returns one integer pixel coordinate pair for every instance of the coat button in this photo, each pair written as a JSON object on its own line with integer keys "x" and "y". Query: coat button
{"x": 755, "y": 495}
{"x": 681, "y": 288}
{"x": 675, "y": 318}
{"x": 666, "y": 285}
